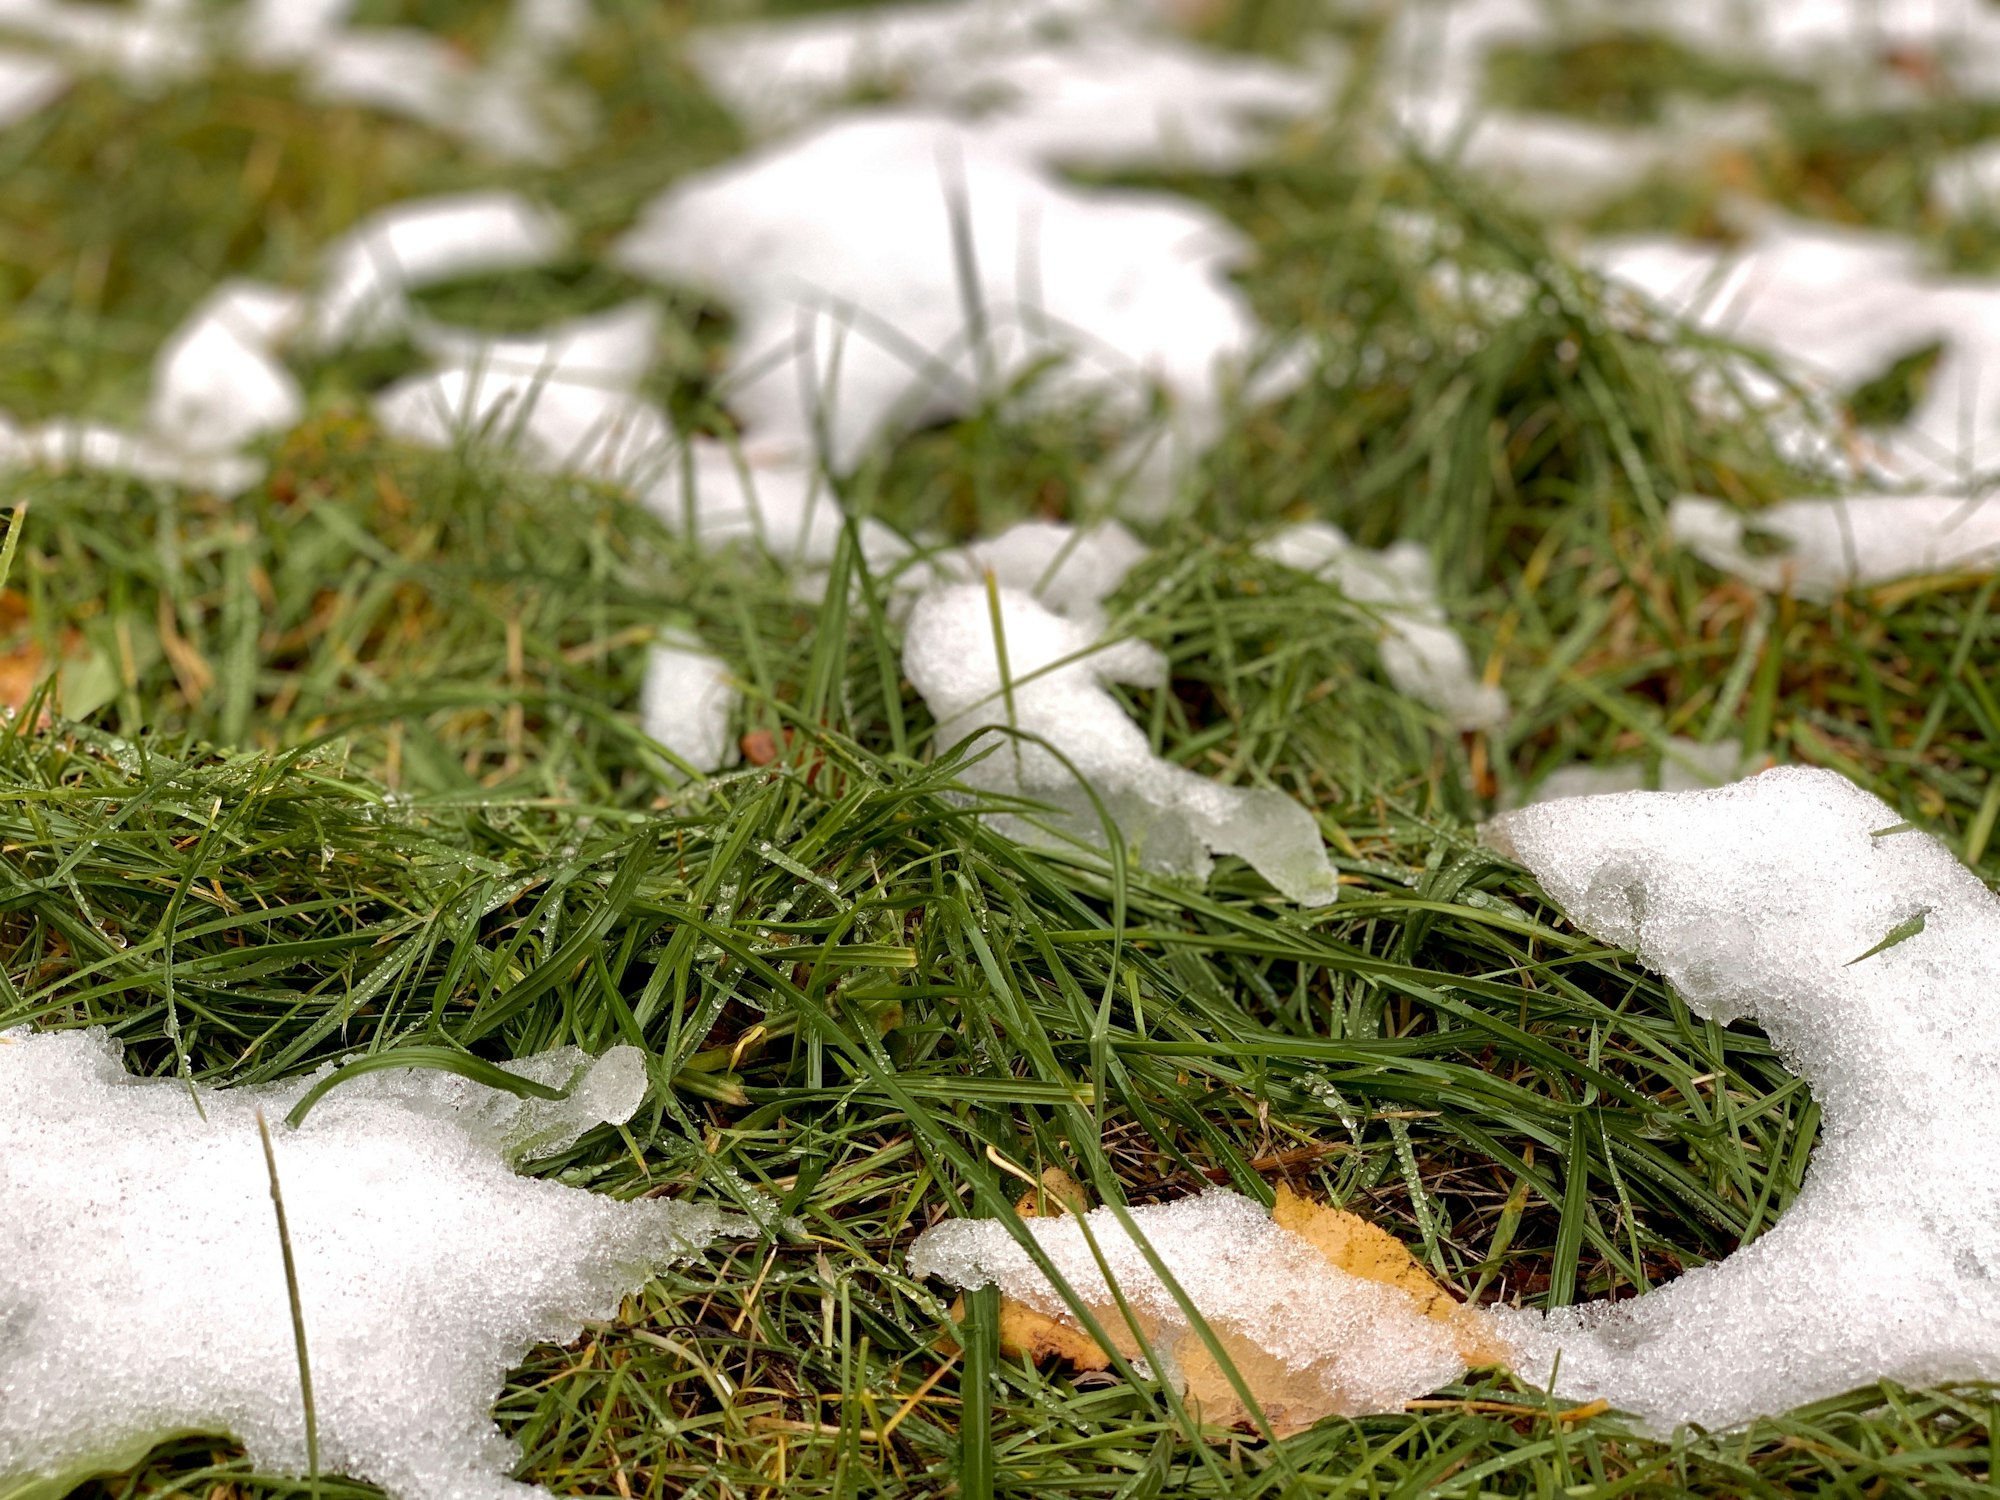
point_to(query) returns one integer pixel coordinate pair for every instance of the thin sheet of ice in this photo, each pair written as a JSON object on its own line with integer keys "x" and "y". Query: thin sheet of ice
{"x": 845, "y": 252}
{"x": 1838, "y": 307}
{"x": 1773, "y": 899}
{"x": 1421, "y": 654}
{"x": 1366, "y": 1343}
{"x": 1828, "y": 546}
{"x": 1049, "y": 81}
{"x": 426, "y": 1267}
{"x": 689, "y": 701}
{"x": 368, "y": 272}
{"x": 1055, "y": 687}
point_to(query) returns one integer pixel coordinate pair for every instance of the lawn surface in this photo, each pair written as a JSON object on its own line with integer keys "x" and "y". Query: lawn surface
{"x": 354, "y": 762}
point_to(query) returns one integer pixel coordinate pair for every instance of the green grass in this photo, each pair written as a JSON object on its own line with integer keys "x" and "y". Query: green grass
{"x": 353, "y": 763}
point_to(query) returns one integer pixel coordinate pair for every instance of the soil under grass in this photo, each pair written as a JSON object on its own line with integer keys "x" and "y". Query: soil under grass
{"x": 353, "y": 761}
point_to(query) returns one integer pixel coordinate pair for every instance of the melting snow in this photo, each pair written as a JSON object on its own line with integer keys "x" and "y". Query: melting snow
{"x": 688, "y": 702}
{"x": 28, "y": 84}
{"x": 1773, "y": 899}
{"x": 1832, "y": 545}
{"x": 890, "y": 268}
{"x": 1056, "y": 687}
{"x": 1420, "y": 653}
{"x": 216, "y": 385}
{"x": 1837, "y": 307}
{"x": 1056, "y": 82}
{"x": 1684, "y": 766}
{"x": 426, "y": 1267}
{"x": 418, "y": 243}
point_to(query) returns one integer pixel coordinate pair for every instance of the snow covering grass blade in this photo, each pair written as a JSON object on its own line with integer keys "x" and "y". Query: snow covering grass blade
{"x": 292, "y": 1296}
{"x": 417, "y": 1055}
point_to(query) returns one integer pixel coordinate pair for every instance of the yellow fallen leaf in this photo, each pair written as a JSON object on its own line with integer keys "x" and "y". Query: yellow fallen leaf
{"x": 1290, "y": 1399}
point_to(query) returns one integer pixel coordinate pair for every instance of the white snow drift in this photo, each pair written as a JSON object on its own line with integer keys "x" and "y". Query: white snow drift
{"x": 143, "y": 1292}
{"x": 1867, "y": 953}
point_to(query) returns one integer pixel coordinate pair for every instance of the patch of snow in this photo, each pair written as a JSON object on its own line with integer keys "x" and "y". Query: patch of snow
{"x": 720, "y": 494}
{"x": 1421, "y": 654}
{"x": 1071, "y": 570}
{"x": 891, "y": 268}
{"x": 1837, "y": 307}
{"x": 1055, "y": 81}
{"x": 562, "y": 400}
{"x": 1773, "y": 899}
{"x": 506, "y": 107}
{"x": 421, "y": 242}
{"x": 216, "y": 383}
{"x": 1684, "y": 766}
{"x": 1254, "y": 1282}
{"x": 1832, "y": 545}
{"x": 148, "y": 44}
{"x": 1055, "y": 686}
{"x": 689, "y": 701}
{"x": 98, "y": 448}
{"x": 28, "y": 85}
{"x": 426, "y": 1267}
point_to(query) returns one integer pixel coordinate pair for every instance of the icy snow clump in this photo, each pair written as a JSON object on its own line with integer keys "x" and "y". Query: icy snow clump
{"x": 1867, "y": 953}
{"x": 1055, "y": 686}
{"x": 1365, "y": 1342}
{"x": 426, "y": 1267}
{"x": 688, "y": 701}
{"x": 1421, "y": 654}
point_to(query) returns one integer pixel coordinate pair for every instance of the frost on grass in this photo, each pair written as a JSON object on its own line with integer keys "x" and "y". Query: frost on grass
{"x": 426, "y": 1267}
{"x": 890, "y": 268}
{"x": 1421, "y": 654}
{"x": 1820, "y": 548}
{"x": 1056, "y": 687}
{"x": 1308, "y": 1335}
{"x": 1057, "y": 81}
{"x": 1867, "y": 952}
